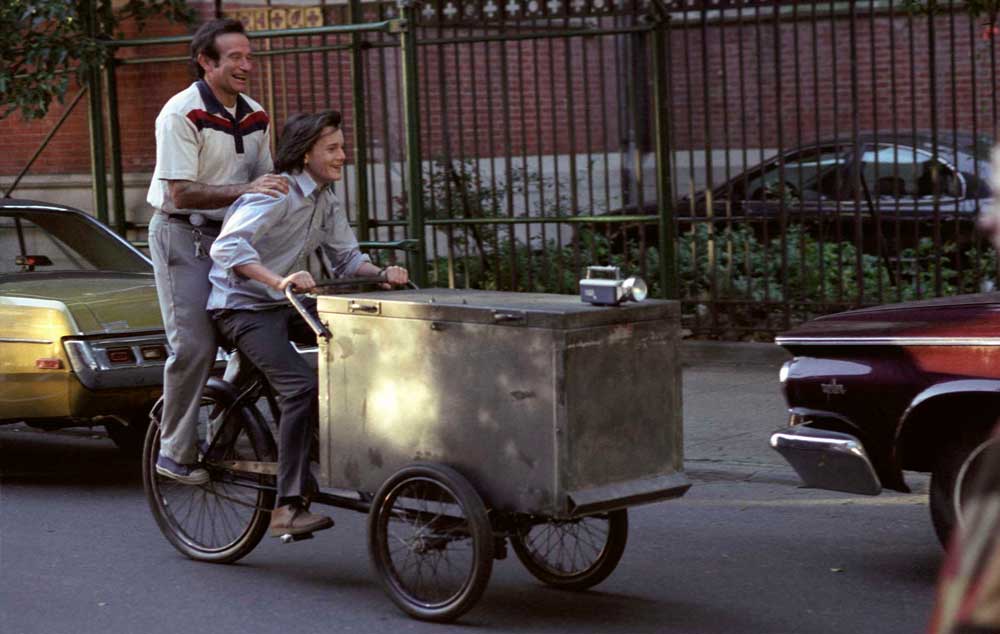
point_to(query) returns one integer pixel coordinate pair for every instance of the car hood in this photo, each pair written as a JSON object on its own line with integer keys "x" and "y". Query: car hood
{"x": 98, "y": 302}
{"x": 961, "y": 317}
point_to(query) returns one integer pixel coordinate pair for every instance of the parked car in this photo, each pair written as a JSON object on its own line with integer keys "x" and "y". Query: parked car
{"x": 878, "y": 391}
{"x": 843, "y": 189}
{"x": 81, "y": 338}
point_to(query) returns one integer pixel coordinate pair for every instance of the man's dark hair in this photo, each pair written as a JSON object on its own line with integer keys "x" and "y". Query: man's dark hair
{"x": 204, "y": 40}
{"x": 300, "y": 133}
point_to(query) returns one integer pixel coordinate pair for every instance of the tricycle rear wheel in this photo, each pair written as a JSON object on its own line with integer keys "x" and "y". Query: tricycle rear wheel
{"x": 430, "y": 542}
{"x": 573, "y": 554}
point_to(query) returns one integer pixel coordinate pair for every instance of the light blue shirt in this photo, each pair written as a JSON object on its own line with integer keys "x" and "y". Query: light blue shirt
{"x": 280, "y": 234}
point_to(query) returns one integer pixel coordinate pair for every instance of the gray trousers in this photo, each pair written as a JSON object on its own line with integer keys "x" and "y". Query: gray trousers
{"x": 264, "y": 338}
{"x": 183, "y": 288}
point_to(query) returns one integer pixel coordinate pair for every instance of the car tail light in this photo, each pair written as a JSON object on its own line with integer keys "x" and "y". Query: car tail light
{"x": 121, "y": 355}
{"x": 153, "y": 353}
{"x": 49, "y": 364}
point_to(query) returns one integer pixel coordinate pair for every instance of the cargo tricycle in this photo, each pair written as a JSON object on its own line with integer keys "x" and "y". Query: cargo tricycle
{"x": 461, "y": 422}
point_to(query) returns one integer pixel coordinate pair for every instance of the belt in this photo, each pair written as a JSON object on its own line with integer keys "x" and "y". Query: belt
{"x": 198, "y": 221}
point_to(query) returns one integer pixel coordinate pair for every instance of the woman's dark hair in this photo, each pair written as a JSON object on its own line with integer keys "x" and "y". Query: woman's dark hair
{"x": 204, "y": 40}
{"x": 300, "y": 133}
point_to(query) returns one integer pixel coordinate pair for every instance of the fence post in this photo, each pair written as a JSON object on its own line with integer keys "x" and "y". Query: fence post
{"x": 664, "y": 186}
{"x": 115, "y": 137}
{"x": 96, "y": 111}
{"x": 359, "y": 125}
{"x": 416, "y": 259}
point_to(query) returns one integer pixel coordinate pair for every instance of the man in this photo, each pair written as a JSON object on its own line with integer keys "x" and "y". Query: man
{"x": 212, "y": 146}
{"x": 261, "y": 251}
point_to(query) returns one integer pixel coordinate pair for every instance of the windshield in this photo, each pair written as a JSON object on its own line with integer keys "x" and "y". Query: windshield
{"x": 51, "y": 241}
{"x": 897, "y": 171}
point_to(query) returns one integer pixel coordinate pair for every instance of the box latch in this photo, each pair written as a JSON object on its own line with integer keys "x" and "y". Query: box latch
{"x": 509, "y": 317}
{"x": 365, "y": 307}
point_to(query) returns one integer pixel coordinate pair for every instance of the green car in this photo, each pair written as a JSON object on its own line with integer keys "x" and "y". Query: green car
{"x": 81, "y": 337}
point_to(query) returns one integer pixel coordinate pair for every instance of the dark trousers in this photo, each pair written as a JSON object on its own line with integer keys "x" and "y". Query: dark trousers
{"x": 264, "y": 338}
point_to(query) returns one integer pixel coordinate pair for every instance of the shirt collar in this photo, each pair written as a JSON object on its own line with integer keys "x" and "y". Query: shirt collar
{"x": 214, "y": 106}
{"x": 306, "y": 184}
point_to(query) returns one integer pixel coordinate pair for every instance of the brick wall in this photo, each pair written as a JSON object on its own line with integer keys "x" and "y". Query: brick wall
{"x": 142, "y": 90}
{"x": 567, "y": 96}
{"x": 803, "y": 86}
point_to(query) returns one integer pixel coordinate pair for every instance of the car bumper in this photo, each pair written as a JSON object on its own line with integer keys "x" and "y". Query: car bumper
{"x": 827, "y": 459}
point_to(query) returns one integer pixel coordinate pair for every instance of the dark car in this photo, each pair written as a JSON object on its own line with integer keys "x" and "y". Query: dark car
{"x": 886, "y": 190}
{"x": 874, "y": 392}
{"x": 902, "y": 175}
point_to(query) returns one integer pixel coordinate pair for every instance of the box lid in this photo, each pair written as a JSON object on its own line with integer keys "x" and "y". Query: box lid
{"x": 531, "y": 310}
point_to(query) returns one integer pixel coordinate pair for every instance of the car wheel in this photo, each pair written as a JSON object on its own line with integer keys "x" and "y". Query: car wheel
{"x": 954, "y": 470}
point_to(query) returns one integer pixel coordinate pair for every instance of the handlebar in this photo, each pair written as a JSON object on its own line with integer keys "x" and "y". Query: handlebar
{"x": 316, "y": 325}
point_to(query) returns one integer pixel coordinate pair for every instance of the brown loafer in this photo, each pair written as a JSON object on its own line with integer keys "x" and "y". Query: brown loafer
{"x": 292, "y": 519}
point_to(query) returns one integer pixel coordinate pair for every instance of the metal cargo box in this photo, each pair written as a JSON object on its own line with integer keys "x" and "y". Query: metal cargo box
{"x": 546, "y": 404}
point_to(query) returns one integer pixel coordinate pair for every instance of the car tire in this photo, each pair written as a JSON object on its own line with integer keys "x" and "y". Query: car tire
{"x": 953, "y": 470}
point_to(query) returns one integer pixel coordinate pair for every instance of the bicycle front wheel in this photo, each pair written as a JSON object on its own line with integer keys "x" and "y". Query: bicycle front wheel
{"x": 223, "y": 520}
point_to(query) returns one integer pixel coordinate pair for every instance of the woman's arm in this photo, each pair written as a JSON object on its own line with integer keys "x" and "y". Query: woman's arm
{"x": 393, "y": 274}
{"x": 249, "y": 216}
{"x": 300, "y": 280}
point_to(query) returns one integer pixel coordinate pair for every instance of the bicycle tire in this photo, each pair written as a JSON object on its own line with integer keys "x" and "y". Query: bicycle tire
{"x": 224, "y": 520}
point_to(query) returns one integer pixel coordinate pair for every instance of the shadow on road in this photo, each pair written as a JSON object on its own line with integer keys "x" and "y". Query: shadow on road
{"x": 66, "y": 457}
{"x": 547, "y": 609}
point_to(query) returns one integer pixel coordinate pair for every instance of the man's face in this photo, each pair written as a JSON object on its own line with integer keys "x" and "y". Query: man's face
{"x": 325, "y": 159}
{"x": 229, "y": 75}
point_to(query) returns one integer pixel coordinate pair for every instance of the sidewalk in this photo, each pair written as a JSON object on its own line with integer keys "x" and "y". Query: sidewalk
{"x": 732, "y": 403}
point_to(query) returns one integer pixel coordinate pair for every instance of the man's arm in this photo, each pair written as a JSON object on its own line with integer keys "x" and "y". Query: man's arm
{"x": 191, "y": 195}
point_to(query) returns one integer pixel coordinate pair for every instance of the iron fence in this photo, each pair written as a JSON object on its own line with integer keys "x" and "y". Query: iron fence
{"x": 763, "y": 162}
{"x": 873, "y": 122}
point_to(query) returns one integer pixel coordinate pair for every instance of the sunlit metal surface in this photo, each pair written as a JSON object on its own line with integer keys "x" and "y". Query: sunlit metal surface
{"x": 568, "y": 402}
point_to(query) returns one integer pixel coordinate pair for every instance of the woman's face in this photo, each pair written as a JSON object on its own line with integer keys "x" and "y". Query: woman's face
{"x": 325, "y": 159}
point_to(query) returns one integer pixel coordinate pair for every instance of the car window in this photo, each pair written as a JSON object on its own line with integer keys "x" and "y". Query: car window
{"x": 900, "y": 172}
{"x": 809, "y": 175}
{"x": 61, "y": 242}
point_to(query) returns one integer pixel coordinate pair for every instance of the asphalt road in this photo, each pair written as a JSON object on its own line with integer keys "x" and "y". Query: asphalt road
{"x": 745, "y": 551}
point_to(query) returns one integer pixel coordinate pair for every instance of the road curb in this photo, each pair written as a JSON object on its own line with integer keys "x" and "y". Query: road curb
{"x": 731, "y": 353}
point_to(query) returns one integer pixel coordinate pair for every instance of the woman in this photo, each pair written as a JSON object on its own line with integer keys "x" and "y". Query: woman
{"x": 261, "y": 250}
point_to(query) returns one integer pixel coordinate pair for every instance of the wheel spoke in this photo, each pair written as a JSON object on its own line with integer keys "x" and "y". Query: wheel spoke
{"x": 218, "y": 518}
{"x": 566, "y": 552}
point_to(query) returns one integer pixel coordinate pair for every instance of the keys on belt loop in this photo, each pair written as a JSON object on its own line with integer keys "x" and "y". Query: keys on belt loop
{"x": 199, "y": 248}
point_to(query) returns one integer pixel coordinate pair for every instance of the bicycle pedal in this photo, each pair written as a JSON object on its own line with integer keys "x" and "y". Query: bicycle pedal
{"x": 288, "y": 538}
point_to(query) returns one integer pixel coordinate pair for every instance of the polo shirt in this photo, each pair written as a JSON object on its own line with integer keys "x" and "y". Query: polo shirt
{"x": 198, "y": 140}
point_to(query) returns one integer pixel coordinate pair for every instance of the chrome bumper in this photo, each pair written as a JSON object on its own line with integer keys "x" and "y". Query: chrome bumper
{"x": 827, "y": 459}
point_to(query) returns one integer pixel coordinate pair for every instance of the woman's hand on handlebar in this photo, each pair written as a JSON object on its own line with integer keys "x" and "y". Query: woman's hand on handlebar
{"x": 300, "y": 281}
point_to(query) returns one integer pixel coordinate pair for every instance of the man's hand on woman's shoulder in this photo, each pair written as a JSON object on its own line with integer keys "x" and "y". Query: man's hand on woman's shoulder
{"x": 271, "y": 184}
